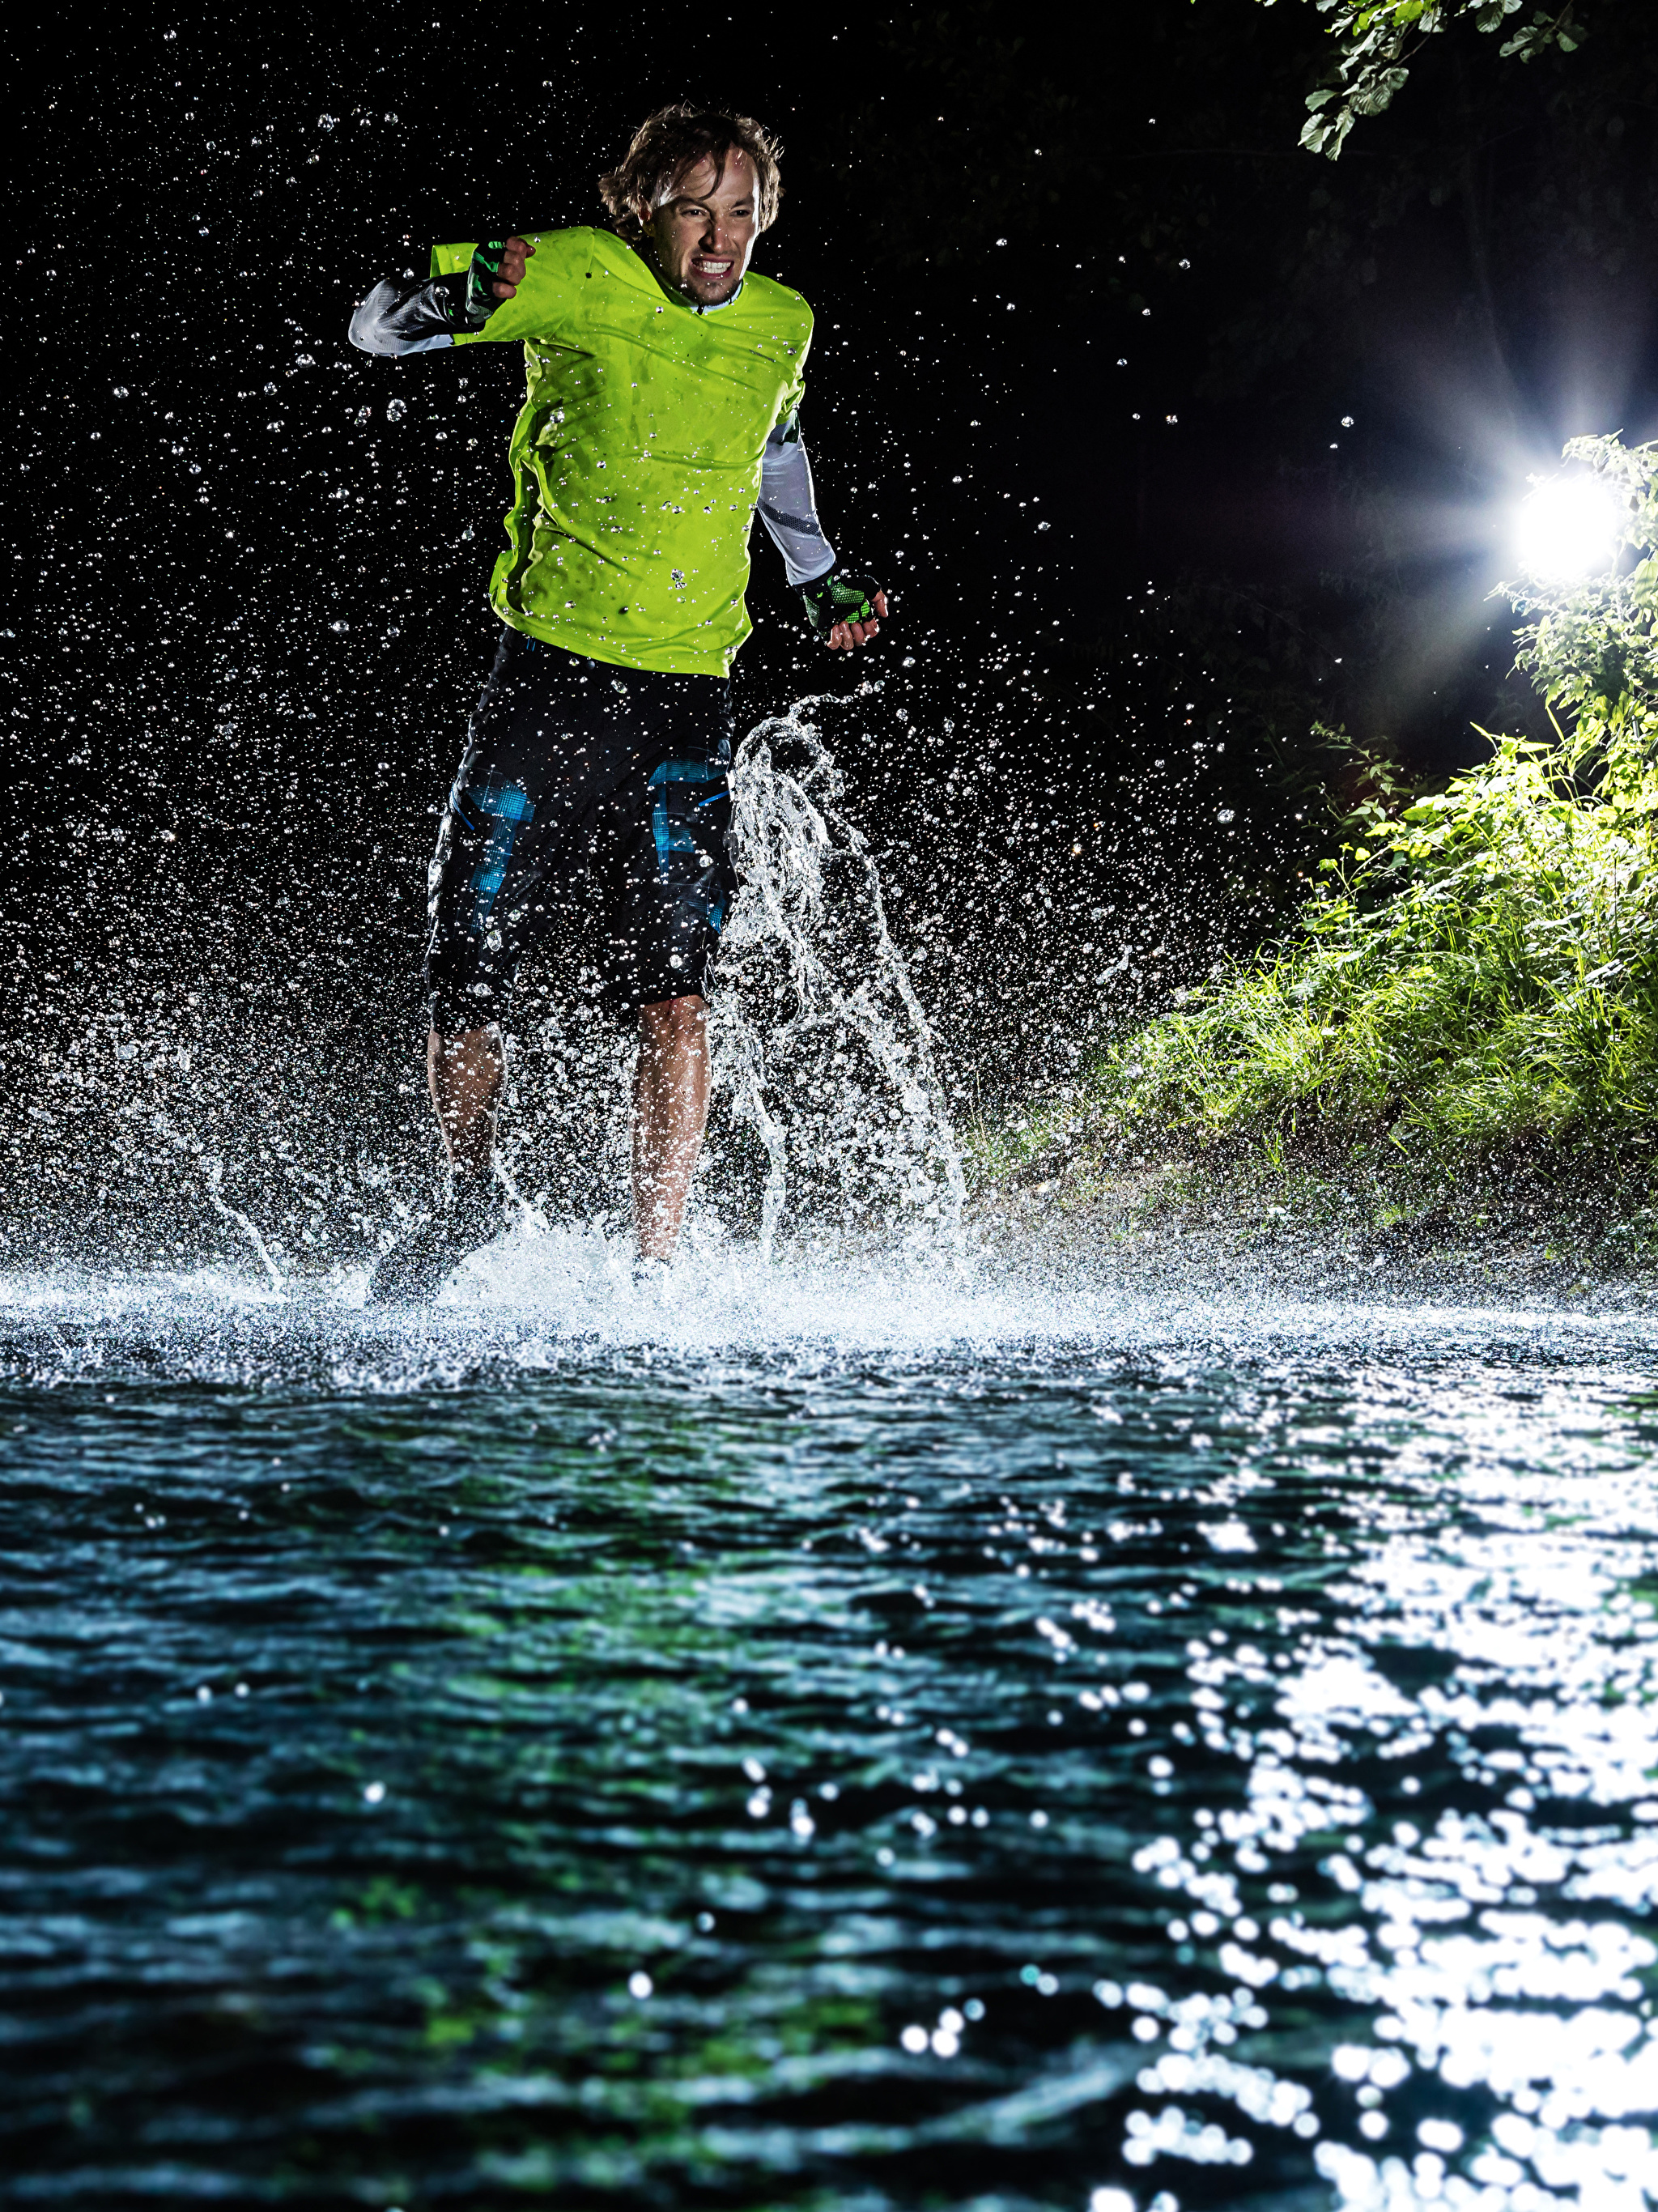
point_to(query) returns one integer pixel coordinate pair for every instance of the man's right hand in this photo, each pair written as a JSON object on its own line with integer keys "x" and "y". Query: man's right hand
{"x": 497, "y": 271}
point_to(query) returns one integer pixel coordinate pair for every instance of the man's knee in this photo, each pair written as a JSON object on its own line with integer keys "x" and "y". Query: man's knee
{"x": 455, "y": 1044}
{"x": 465, "y": 1069}
{"x": 669, "y": 1021}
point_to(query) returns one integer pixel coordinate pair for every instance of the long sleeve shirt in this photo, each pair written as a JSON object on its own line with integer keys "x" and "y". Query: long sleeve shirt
{"x": 591, "y": 466}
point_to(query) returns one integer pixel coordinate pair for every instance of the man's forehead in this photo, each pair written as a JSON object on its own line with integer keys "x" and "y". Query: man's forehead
{"x": 702, "y": 179}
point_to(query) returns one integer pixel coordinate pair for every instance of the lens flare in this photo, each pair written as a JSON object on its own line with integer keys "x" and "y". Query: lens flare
{"x": 1569, "y": 527}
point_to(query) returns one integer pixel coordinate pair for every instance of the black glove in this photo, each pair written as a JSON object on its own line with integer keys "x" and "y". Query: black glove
{"x": 839, "y": 597}
{"x": 481, "y": 298}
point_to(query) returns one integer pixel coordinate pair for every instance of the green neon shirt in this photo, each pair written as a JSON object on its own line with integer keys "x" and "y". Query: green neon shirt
{"x": 636, "y": 457}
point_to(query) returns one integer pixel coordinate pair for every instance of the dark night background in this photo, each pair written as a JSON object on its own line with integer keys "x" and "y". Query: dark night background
{"x": 1170, "y": 440}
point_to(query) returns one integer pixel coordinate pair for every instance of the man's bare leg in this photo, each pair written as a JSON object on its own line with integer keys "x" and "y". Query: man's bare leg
{"x": 670, "y": 1110}
{"x": 466, "y": 1074}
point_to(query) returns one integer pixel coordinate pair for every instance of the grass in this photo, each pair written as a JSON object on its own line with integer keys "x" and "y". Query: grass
{"x": 1466, "y": 1020}
{"x": 1462, "y": 1029}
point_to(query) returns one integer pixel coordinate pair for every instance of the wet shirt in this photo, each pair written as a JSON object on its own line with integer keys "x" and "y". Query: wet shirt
{"x": 637, "y": 456}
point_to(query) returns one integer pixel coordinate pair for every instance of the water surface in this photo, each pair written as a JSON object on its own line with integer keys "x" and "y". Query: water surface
{"x": 850, "y": 1738}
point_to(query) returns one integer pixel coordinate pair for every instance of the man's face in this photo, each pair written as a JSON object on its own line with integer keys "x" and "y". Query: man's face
{"x": 704, "y": 227}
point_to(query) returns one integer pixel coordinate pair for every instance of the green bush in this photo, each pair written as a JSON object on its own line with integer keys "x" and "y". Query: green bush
{"x": 1477, "y": 971}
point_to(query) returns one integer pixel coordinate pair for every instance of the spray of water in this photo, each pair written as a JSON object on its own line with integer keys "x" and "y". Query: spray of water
{"x": 817, "y": 1004}
{"x": 193, "y": 1119}
{"x": 212, "y": 1172}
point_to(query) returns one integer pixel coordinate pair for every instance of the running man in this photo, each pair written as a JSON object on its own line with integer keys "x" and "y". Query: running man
{"x": 662, "y": 411}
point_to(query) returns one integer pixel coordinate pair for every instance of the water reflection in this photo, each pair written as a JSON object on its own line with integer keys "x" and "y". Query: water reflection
{"x": 1044, "y": 1752}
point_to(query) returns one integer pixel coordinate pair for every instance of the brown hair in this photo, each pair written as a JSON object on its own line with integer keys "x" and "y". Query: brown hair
{"x": 677, "y": 139}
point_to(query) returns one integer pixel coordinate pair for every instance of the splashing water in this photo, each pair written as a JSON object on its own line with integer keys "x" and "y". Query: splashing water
{"x": 809, "y": 973}
{"x": 211, "y": 1168}
{"x": 829, "y": 1123}
{"x": 828, "y": 1118}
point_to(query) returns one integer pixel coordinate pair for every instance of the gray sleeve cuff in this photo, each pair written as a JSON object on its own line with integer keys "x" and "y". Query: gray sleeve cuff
{"x": 409, "y": 317}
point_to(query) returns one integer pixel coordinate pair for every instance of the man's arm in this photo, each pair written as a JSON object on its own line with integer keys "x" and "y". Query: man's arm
{"x": 417, "y": 316}
{"x": 845, "y": 612}
{"x": 788, "y": 506}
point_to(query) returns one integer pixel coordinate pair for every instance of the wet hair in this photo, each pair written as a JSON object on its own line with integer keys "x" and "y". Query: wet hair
{"x": 676, "y": 140}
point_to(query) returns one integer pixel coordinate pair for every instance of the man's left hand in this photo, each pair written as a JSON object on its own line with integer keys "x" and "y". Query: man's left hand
{"x": 846, "y": 610}
{"x": 848, "y": 635}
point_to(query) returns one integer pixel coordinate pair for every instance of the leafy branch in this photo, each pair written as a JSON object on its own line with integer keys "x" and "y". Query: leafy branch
{"x": 1377, "y": 40}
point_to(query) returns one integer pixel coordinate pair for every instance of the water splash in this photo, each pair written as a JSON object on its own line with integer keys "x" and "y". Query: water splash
{"x": 829, "y": 1118}
{"x": 212, "y": 1168}
{"x": 812, "y": 984}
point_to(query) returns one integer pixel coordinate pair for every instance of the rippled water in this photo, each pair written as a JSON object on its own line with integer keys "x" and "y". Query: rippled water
{"x": 845, "y": 1739}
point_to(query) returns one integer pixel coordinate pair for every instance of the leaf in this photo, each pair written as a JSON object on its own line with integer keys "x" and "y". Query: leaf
{"x": 1377, "y": 95}
{"x": 1327, "y": 137}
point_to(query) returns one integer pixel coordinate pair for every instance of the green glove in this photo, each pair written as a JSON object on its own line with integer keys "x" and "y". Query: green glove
{"x": 481, "y": 274}
{"x": 838, "y": 597}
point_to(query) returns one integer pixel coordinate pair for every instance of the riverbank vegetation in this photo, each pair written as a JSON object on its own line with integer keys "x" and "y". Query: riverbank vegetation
{"x": 1461, "y": 1028}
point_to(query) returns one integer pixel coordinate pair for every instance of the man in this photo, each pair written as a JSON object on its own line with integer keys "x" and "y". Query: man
{"x": 664, "y": 386}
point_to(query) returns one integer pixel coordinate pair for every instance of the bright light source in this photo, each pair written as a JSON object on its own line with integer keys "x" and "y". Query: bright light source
{"x": 1570, "y": 526}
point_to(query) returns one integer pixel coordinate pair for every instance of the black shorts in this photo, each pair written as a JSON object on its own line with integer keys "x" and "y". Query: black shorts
{"x": 590, "y": 810}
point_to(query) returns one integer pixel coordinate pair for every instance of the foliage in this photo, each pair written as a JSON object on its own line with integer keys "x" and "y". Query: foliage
{"x": 1479, "y": 970}
{"x": 1593, "y": 652}
{"x": 1377, "y": 39}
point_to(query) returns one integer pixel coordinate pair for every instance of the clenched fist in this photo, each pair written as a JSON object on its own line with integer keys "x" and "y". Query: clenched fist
{"x": 497, "y": 271}
{"x": 514, "y": 255}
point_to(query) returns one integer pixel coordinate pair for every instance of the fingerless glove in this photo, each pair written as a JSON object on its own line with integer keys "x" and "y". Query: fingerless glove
{"x": 839, "y": 597}
{"x": 481, "y": 274}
